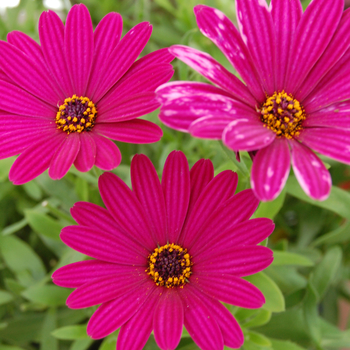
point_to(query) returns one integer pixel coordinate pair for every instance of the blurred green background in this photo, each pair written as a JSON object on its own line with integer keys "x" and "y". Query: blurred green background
{"x": 311, "y": 243}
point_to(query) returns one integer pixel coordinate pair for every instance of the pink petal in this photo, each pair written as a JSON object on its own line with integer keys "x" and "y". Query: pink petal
{"x": 286, "y": 16}
{"x": 270, "y": 170}
{"x": 176, "y": 187}
{"x": 210, "y": 127}
{"x": 311, "y": 173}
{"x": 35, "y": 159}
{"x": 126, "y": 209}
{"x": 133, "y": 131}
{"x": 108, "y": 287}
{"x": 234, "y": 260}
{"x": 333, "y": 143}
{"x": 247, "y": 134}
{"x": 106, "y": 37}
{"x": 221, "y": 188}
{"x": 12, "y": 124}
{"x": 27, "y": 73}
{"x": 104, "y": 246}
{"x": 335, "y": 50}
{"x": 85, "y": 159}
{"x": 64, "y": 157}
{"x": 233, "y": 290}
{"x": 108, "y": 155}
{"x": 168, "y": 320}
{"x": 258, "y": 33}
{"x": 150, "y": 194}
{"x": 230, "y": 329}
{"x": 10, "y": 94}
{"x": 214, "y": 71}
{"x": 134, "y": 334}
{"x": 51, "y": 33}
{"x": 113, "y": 314}
{"x": 199, "y": 321}
{"x": 79, "y": 46}
{"x": 122, "y": 57}
{"x": 76, "y": 274}
{"x": 314, "y": 32}
{"x": 218, "y": 28}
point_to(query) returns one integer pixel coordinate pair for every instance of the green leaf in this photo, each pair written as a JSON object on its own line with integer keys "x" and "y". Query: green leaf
{"x": 270, "y": 209}
{"x": 47, "y": 295}
{"x": 109, "y": 342}
{"x": 48, "y": 342}
{"x": 43, "y": 224}
{"x": 339, "y": 235}
{"x": 260, "y": 318}
{"x": 337, "y": 202}
{"x": 258, "y": 339}
{"x": 33, "y": 190}
{"x": 82, "y": 344}
{"x": 9, "y": 230}
{"x": 82, "y": 189}
{"x": 5, "y": 297}
{"x": 273, "y": 295}
{"x": 325, "y": 271}
{"x": 71, "y": 332}
{"x": 284, "y": 345}
{"x": 286, "y": 258}
{"x": 10, "y": 347}
{"x": 5, "y": 165}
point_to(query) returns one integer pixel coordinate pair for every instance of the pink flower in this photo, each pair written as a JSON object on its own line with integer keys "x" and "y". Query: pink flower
{"x": 61, "y": 102}
{"x": 295, "y": 98}
{"x": 165, "y": 254}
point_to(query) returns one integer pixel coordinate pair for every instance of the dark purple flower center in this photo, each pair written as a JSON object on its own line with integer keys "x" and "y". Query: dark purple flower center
{"x": 170, "y": 266}
{"x": 76, "y": 114}
{"x": 283, "y": 114}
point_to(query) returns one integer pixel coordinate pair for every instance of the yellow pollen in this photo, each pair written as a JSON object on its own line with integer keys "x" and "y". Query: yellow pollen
{"x": 170, "y": 266}
{"x": 283, "y": 114}
{"x": 76, "y": 114}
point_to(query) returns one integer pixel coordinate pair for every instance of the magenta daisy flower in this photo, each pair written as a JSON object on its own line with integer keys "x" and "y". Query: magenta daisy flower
{"x": 295, "y": 98}
{"x": 165, "y": 254}
{"x": 61, "y": 102}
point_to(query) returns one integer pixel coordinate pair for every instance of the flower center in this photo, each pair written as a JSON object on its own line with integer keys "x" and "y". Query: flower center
{"x": 76, "y": 114}
{"x": 283, "y": 114}
{"x": 170, "y": 266}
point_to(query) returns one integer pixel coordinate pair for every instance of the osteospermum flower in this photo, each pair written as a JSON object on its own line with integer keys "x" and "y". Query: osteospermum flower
{"x": 295, "y": 98}
{"x": 61, "y": 102}
{"x": 165, "y": 254}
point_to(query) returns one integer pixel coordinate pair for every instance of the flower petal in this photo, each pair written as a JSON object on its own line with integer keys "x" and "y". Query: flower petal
{"x": 199, "y": 321}
{"x": 113, "y": 314}
{"x": 79, "y": 46}
{"x": 104, "y": 246}
{"x": 64, "y": 157}
{"x": 51, "y": 33}
{"x": 214, "y": 71}
{"x": 14, "y": 124}
{"x": 218, "y": 28}
{"x": 126, "y": 209}
{"x": 108, "y": 155}
{"x": 270, "y": 170}
{"x": 177, "y": 188}
{"x": 150, "y": 194}
{"x": 258, "y": 33}
{"x": 286, "y": 16}
{"x": 133, "y": 131}
{"x": 334, "y": 143}
{"x": 210, "y": 127}
{"x": 76, "y": 274}
{"x": 85, "y": 159}
{"x": 314, "y": 32}
{"x": 247, "y": 134}
{"x": 35, "y": 159}
{"x": 312, "y": 175}
{"x": 168, "y": 320}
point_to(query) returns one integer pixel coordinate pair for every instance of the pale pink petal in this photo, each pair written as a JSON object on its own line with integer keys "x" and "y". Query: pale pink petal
{"x": 113, "y": 314}
{"x": 108, "y": 155}
{"x": 210, "y": 127}
{"x": 150, "y": 194}
{"x": 218, "y": 28}
{"x": 85, "y": 159}
{"x": 168, "y": 320}
{"x": 79, "y": 46}
{"x": 247, "y": 134}
{"x": 126, "y": 209}
{"x": 176, "y": 187}
{"x": 133, "y": 131}
{"x": 311, "y": 173}
{"x": 270, "y": 170}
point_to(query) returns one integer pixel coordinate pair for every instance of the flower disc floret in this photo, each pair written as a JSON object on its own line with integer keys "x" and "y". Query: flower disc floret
{"x": 283, "y": 114}
{"x": 76, "y": 114}
{"x": 170, "y": 266}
